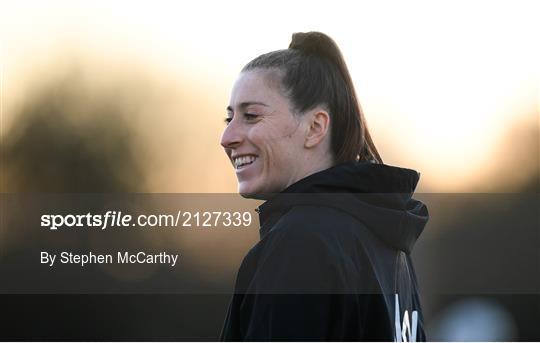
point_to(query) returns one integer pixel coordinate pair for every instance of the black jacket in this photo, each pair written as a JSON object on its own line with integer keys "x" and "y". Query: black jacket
{"x": 333, "y": 260}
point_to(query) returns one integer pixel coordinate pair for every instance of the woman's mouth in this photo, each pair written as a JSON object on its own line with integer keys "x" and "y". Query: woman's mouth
{"x": 243, "y": 161}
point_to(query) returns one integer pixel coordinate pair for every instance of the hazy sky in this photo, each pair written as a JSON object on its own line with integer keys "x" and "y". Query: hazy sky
{"x": 440, "y": 82}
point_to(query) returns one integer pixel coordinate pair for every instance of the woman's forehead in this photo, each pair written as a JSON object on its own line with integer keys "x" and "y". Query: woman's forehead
{"x": 256, "y": 87}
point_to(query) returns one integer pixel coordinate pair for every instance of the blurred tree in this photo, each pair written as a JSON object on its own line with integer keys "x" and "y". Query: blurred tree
{"x": 68, "y": 139}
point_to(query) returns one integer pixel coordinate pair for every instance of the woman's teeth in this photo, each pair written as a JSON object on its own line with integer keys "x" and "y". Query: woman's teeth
{"x": 243, "y": 161}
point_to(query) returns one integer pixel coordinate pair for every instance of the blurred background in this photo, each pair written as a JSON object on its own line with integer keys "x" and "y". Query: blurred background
{"x": 125, "y": 97}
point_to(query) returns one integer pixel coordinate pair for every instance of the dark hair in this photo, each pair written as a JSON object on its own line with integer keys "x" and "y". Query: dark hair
{"x": 314, "y": 73}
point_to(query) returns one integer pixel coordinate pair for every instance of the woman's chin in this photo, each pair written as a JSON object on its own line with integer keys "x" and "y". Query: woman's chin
{"x": 246, "y": 190}
{"x": 250, "y": 191}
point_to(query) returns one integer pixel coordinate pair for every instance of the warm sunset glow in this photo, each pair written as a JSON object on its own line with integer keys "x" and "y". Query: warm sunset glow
{"x": 440, "y": 82}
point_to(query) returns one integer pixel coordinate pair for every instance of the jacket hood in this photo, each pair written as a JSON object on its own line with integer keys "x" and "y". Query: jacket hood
{"x": 378, "y": 195}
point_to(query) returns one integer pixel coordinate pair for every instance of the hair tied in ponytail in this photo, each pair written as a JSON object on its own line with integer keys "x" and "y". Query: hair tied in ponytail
{"x": 313, "y": 43}
{"x": 314, "y": 72}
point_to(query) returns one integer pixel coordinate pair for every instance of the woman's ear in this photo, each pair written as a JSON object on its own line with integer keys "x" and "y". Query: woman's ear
{"x": 318, "y": 126}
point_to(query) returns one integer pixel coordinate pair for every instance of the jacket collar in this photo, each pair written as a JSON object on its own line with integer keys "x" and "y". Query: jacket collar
{"x": 379, "y": 195}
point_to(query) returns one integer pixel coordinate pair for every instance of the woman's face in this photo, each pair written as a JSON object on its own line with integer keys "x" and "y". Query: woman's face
{"x": 263, "y": 139}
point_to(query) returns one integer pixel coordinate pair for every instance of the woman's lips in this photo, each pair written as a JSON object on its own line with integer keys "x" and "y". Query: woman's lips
{"x": 245, "y": 165}
{"x": 242, "y": 160}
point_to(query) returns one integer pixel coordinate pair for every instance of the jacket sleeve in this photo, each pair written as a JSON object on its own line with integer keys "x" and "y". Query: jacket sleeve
{"x": 300, "y": 291}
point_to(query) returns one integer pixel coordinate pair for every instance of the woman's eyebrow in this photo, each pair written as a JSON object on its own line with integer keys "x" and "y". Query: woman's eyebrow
{"x": 246, "y": 104}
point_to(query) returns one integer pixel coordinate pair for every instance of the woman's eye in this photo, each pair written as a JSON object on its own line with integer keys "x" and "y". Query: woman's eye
{"x": 247, "y": 116}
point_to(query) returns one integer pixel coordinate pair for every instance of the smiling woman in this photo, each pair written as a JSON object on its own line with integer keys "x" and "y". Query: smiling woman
{"x": 265, "y": 139}
{"x": 338, "y": 226}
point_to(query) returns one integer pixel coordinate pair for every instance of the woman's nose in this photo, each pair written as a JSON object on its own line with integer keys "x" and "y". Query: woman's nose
{"x": 232, "y": 136}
